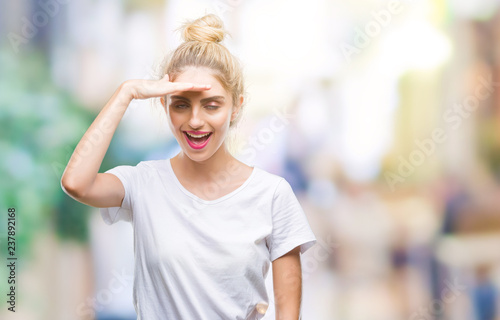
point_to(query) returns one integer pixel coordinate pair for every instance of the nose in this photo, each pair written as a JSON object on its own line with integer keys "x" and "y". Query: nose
{"x": 196, "y": 118}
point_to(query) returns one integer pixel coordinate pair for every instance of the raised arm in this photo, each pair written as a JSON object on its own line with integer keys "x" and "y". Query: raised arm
{"x": 81, "y": 179}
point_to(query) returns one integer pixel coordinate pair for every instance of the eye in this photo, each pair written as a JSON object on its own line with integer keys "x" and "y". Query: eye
{"x": 212, "y": 107}
{"x": 180, "y": 106}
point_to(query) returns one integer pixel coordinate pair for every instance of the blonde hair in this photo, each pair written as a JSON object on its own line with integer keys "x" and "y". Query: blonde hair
{"x": 202, "y": 48}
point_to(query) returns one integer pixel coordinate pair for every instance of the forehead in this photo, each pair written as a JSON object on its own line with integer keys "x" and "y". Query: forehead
{"x": 200, "y": 75}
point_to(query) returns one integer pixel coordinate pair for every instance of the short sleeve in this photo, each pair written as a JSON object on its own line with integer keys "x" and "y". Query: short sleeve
{"x": 290, "y": 225}
{"x": 127, "y": 175}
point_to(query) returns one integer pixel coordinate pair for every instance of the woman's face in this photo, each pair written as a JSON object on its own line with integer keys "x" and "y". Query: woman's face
{"x": 200, "y": 120}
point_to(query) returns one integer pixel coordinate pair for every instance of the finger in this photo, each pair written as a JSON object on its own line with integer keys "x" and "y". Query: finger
{"x": 178, "y": 86}
{"x": 202, "y": 86}
{"x": 191, "y": 86}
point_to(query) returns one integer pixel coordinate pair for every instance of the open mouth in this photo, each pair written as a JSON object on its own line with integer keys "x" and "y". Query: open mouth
{"x": 197, "y": 141}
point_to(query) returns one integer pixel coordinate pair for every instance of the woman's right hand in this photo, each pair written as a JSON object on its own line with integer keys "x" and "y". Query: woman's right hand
{"x": 81, "y": 178}
{"x": 145, "y": 89}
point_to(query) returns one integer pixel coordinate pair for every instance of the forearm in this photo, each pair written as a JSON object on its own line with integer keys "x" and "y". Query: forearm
{"x": 287, "y": 282}
{"x": 87, "y": 157}
{"x": 288, "y": 303}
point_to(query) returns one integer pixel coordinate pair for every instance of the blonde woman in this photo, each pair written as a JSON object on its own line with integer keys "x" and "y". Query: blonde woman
{"x": 206, "y": 226}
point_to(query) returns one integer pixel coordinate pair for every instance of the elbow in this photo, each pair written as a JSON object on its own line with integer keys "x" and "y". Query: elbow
{"x": 71, "y": 187}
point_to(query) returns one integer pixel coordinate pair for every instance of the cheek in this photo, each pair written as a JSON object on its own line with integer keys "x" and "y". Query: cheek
{"x": 174, "y": 121}
{"x": 221, "y": 121}
{"x": 223, "y": 117}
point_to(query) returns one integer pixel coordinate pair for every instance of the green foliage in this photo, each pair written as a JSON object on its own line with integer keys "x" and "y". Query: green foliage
{"x": 40, "y": 126}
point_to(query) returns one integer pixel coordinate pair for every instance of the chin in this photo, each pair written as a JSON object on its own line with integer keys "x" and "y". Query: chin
{"x": 197, "y": 157}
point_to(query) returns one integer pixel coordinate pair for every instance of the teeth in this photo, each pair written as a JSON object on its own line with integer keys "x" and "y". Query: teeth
{"x": 197, "y": 136}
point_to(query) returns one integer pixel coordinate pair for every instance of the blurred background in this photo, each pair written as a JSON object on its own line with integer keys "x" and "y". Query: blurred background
{"x": 383, "y": 116}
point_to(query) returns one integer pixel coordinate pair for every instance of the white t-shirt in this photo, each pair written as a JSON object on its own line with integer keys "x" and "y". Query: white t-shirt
{"x": 205, "y": 259}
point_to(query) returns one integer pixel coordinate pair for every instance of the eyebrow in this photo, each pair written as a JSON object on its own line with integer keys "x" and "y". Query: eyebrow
{"x": 205, "y": 100}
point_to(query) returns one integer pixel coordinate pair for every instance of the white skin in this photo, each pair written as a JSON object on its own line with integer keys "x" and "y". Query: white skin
{"x": 81, "y": 179}
{"x": 195, "y": 169}
{"x": 199, "y": 170}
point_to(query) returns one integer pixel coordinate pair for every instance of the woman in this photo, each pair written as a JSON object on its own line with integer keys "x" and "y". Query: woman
{"x": 206, "y": 226}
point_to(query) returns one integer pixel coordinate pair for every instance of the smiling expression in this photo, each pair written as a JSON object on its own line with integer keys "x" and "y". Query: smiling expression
{"x": 200, "y": 120}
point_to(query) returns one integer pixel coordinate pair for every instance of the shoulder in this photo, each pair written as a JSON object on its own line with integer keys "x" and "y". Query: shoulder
{"x": 151, "y": 164}
{"x": 271, "y": 180}
{"x": 144, "y": 168}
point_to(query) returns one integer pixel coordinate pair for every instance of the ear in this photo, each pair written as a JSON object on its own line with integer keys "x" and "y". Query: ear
{"x": 237, "y": 108}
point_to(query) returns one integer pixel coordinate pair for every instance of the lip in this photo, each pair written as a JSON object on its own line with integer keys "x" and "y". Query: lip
{"x": 197, "y": 146}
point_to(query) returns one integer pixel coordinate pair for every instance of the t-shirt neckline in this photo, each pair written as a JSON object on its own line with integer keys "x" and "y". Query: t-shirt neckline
{"x": 195, "y": 197}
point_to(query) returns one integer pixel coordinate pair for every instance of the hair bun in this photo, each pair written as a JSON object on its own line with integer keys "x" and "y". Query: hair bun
{"x": 208, "y": 28}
